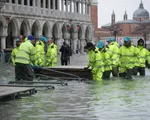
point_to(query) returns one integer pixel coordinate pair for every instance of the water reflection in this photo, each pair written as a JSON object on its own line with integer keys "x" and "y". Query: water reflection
{"x": 115, "y": 99}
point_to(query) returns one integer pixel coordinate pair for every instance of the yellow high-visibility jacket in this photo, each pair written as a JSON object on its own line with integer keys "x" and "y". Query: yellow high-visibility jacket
{"x": 128, "y": 56}
{"x": 26, "y": 53}
{"x": 40, "y": 53}
{"x": 13, "y": 55}
{"x": 113, "y": 51}
{"x": 143, "y": 56}
{"x": 51, "y": 55}
{"x": 107, "y": 60}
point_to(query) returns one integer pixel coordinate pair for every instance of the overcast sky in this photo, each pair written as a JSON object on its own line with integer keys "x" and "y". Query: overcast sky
{"x": 105, "y": 8}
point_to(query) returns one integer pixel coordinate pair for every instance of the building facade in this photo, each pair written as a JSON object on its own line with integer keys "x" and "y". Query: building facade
{"x": 135, "y": 27}
{"x": 60, "y": 20}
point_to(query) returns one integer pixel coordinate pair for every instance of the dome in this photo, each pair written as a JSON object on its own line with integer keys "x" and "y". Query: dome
{"x": 94, "y": 1}
{"x": 141, "y": 12}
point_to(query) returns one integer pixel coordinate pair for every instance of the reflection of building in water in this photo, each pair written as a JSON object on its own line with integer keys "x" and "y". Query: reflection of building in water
{"x": 136, "y": 28}
{"x": 58, "y": 19}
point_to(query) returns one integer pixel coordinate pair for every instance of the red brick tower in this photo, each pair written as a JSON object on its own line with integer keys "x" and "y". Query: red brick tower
{"x": 94, "y": 14}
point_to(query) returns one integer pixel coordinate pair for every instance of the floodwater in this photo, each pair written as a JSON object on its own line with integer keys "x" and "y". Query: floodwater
{"x": 115, "y": 99}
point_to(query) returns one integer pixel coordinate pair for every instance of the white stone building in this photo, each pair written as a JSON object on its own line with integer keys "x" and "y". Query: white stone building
{"x": 61, "y": 20}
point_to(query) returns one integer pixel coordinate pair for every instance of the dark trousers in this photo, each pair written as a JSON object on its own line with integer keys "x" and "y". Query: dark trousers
{"x": 127, "y": 75}
{"x": 141, "y": 70}
{"x": 115, "y": 71}
{"x": 24, "y": 72}
{"x": 64, "y": 62}
{"x": 106, "y": 74}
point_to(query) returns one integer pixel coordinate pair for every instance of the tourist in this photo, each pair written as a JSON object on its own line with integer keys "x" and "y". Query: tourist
{"x": 65, "y": 54}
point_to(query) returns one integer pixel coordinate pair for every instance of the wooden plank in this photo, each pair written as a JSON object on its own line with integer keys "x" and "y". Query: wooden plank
{"x": 24, "y": 85}
{"x": 68, "y": 67}
{"x": 36, "y": 82}
{"x": 66, "y": 71}
{"x": 4, "y": 91}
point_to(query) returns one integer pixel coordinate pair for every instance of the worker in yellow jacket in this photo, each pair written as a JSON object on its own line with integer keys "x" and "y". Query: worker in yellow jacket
{"x": 128, "y": 53}
{"x": 107, "y": 60}
{"x": 40, "y": 51}
{"x": 113, "y": 51}
{"x": 51, "y": 55}
{"x": 25, "y": 57}
{"x": 95, "y": 61}
{"x": 143, "y": 55}
{"x": 15, "y": 50}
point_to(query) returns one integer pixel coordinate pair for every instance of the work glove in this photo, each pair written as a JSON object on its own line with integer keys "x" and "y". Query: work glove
{"x": 148, "y": 66}
{"x": 14, "y": 64}
{"x": 36, "y": 67}
{"x": 86, "y": 68}
{"x": 32, "y": 66}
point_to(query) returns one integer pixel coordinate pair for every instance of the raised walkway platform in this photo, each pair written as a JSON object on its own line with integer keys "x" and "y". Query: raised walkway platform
{"x": 13, "y": 93}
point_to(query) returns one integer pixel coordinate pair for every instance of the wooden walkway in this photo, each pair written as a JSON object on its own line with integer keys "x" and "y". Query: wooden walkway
{"x": 74, "y": 72}
{"x": 13, "y": 92}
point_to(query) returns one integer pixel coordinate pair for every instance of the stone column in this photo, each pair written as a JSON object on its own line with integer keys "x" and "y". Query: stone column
{"x": 44, "y": 4}
{"x": 14, "y": 41}
{"x": 85, "y": 8}
{"x": 67, "y": 41}
{"x": 88, "y": 9}
{"x": 70, "y": 5}
{"x": 82, "y": 46}
{"x": 81, "y": 7}
{"x": 58, "y": 4}
{"x": 49, "y": 4}
{"x": 79, "y": 4}
{"x": 58, "y": 43}
{"x": 66, "y": 5}
{"x": 79, "y": 45}
{"x": 62, "y": 5}
{"x": 75, "y": 6}
{"x": 54, "y": 5}
{"x": 3, "y": 42}
{"x": 28, "y": 3}
{"x": 34, "y": 7}
{"x": 16, "y": 1}
{"x": 74, "y": 45}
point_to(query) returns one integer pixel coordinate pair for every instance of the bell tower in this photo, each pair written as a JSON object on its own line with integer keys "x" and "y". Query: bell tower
{"x": 94, "y": 14}
{"x": 113, "y": 19}
{"x": 125, "y": 17}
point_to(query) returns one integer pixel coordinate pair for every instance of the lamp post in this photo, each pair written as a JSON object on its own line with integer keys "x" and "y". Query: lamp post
{"x": 115, "y": 32}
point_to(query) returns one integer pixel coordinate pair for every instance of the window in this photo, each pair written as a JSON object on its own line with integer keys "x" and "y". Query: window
{"x": 36, "y": 4}
{"x": 51, "y": 4}
{"x": 7, "y": 1}
{"x": 31, "y": 2}
{"x": 13, "y": 1}
{"x": 25, "y": 2}
{"x": 46, "y": 2}
{"x": 56, "y": 2}
{"x": 19, "y": 2}
{"x": 41, "y": 3}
